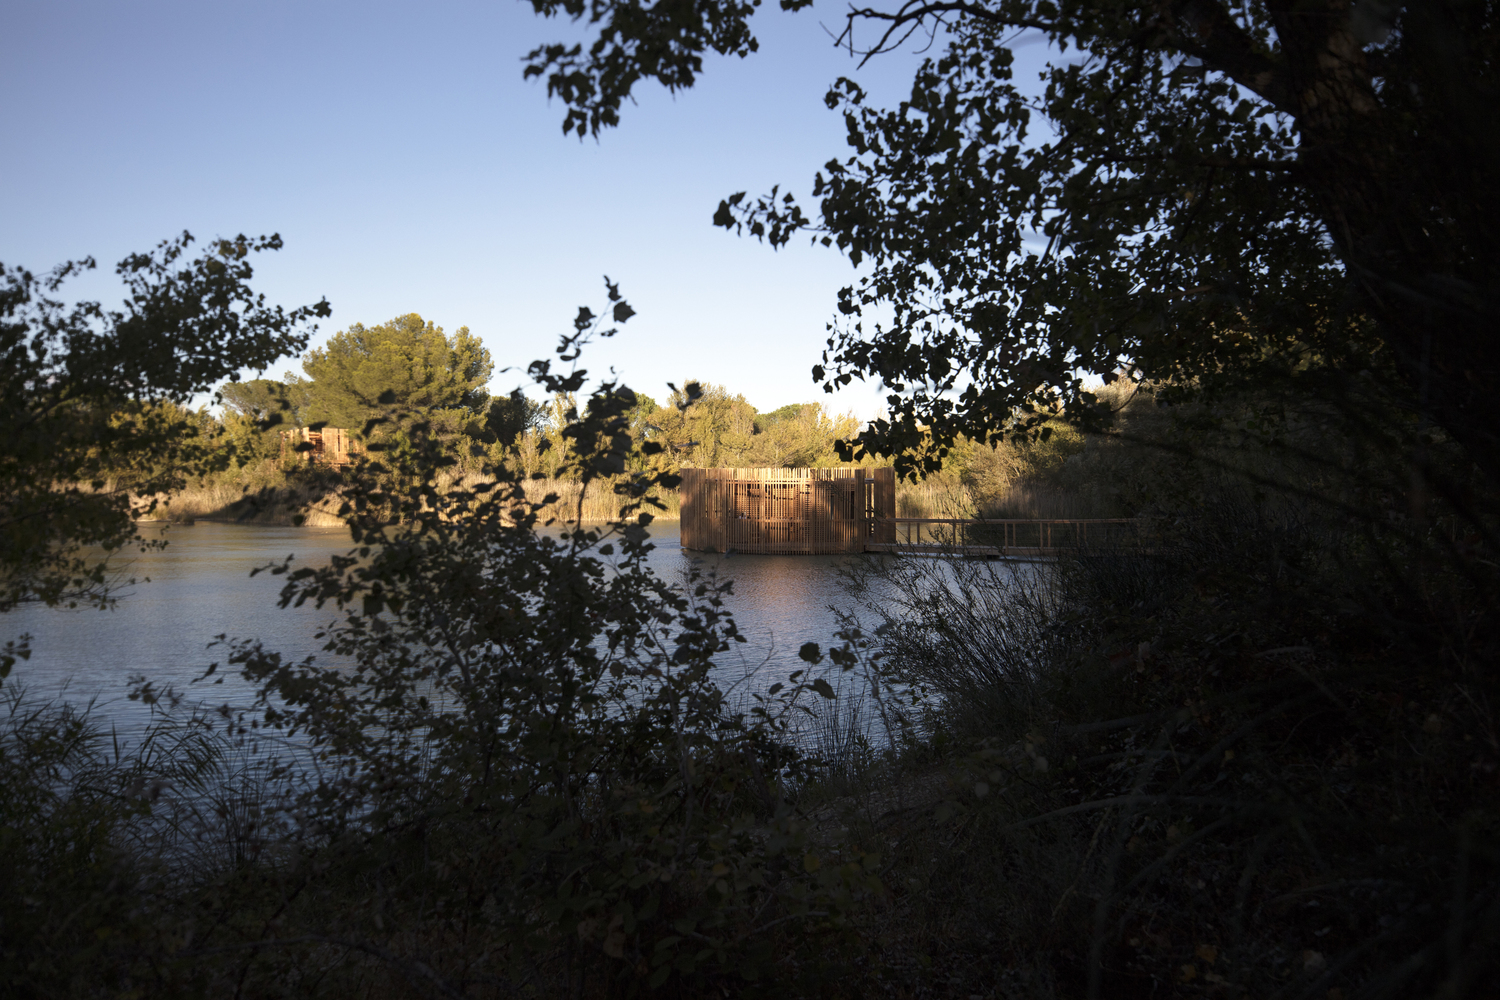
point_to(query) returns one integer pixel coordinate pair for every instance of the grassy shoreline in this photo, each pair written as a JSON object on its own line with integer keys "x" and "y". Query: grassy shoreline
{"x": 316, "y": 503}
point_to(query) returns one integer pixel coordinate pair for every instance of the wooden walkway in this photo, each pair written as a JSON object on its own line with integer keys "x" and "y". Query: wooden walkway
{"x": 1002, "y": 538}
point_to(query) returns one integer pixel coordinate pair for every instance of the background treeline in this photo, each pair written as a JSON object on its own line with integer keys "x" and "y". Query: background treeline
{"x": 365, "y": 377}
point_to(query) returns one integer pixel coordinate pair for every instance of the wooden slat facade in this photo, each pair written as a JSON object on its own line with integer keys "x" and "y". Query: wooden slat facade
{"x": 330, "y": 446}
{"x": 787, "y": 511}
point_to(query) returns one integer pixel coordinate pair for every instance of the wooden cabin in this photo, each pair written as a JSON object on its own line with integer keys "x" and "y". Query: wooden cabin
{"x": 787, "y": 511}
{"x": 331, "y": 446}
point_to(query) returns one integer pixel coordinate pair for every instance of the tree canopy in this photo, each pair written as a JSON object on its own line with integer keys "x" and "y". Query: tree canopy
{"x": 511, "y": 416}
{"x": 1194, "y": 190}
{"x": 263, "y": 397}
{"x": 704, "y": 425}
{"x": 407, "y": 362}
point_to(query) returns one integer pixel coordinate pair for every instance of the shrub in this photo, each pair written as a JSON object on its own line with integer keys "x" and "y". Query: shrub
{"x": 525, "y": 778}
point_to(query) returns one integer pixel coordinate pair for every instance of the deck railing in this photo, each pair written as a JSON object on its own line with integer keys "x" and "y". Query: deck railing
{"x": 1012, "y": 533}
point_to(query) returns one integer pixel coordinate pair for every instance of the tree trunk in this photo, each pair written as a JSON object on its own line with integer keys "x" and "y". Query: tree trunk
{"x": 1402, "y": 160}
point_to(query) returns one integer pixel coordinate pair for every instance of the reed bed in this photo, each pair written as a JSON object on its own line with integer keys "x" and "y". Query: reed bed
{"x": 315, "y": 503}
{"x": 258, "y": 496}
{"x": 939, "y": 497}
{"x": 599, "y": 503}
{"x": 1040, "y": 502}
{"x": 567, "y": 500}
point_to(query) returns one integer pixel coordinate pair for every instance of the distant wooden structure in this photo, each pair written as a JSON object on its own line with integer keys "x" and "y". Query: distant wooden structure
{"x": 331, "y": 446}
{"x": 787, "y": 511}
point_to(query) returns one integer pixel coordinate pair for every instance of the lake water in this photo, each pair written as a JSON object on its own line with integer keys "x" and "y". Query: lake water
{"x": 200, "y": 587}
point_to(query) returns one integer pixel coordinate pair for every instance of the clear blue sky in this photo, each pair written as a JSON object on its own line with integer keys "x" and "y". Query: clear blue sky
{"x": 410, "y": 168}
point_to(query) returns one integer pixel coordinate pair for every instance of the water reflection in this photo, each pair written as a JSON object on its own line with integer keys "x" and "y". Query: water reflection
{"x": 196, "y": 588}
{"x": 200, "y": 587}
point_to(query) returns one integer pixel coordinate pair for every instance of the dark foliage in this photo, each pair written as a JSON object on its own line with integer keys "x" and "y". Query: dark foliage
{"x": 1252, "y": 753}
{"x": 88, "y": 401}
{"x": 1200, "y": 191}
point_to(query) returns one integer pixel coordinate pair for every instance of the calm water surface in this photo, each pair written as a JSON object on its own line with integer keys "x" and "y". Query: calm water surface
{"x": 200, "y": 587}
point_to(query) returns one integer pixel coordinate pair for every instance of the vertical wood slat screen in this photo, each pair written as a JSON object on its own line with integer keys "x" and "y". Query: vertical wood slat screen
{"x": 787, "y": 511}
{"x": 330, "y": 446}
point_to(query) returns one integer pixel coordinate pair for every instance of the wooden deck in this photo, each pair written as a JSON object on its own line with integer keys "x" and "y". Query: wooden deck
{"x": 1019, "y": 552}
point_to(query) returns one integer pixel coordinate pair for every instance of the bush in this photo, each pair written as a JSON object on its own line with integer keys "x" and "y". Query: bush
{"x": 114, "y": 850}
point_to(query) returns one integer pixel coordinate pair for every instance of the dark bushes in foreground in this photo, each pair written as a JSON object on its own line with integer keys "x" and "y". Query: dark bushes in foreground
{"x": 1254, "y": 755}
{"x": 526, "y": 783}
